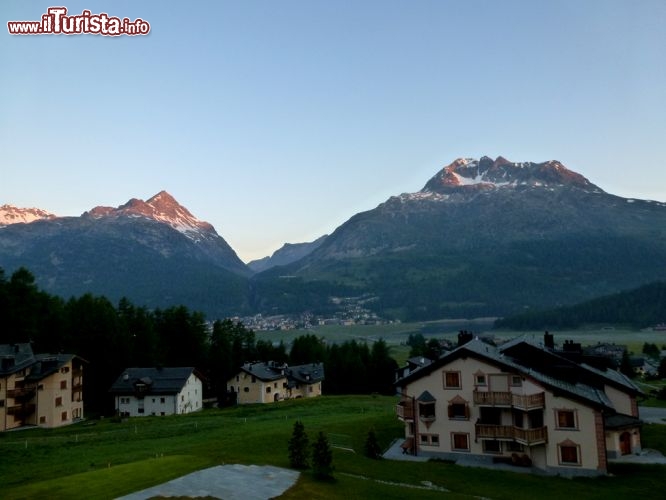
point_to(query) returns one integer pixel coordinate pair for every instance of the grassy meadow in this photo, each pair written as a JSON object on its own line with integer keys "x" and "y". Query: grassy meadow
{"x": 105, "y": 459}
{"x": 396, "y": 334}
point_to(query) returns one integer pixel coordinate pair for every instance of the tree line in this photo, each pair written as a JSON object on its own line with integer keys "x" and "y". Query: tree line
{"x": 639, "y": 308}
{"x": 114, "y": 337}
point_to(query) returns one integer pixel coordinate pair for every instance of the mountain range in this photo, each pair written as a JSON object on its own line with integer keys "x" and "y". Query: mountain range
{"x": 155, "y": 252}
{"x": 483, "y": 237}
{"x": 288, "y": 253}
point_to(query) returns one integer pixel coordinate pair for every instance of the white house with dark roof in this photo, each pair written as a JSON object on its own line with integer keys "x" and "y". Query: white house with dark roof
{"x": 157, "y": 391}
{"x": 270, "y": 382}
{"x": 521, "y": 403}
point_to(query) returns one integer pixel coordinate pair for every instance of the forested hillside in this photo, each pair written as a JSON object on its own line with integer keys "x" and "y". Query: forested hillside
{"x": 639, "y": 308}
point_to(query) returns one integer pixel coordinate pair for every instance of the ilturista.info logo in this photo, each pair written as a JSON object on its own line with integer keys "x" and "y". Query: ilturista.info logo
{"x": 56, "y": 22}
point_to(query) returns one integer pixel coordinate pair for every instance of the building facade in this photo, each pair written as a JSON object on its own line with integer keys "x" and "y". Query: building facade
{"x": 164, "y": 391}
{"x": 522, "y": 403}
{"x": 271, "y": 382}
{"x": 44, "y": 390}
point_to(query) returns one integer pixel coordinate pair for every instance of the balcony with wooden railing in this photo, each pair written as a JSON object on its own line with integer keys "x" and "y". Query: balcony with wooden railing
{"x": 22, "y": 393}
{"x": 492, "y": 398}
{"x": 405, "y": 411}
{"x": 528, "y": 402}
{"x": 523, "y": 402}
{"x": 21, "y": 411}
{"x": 528, "y": 437}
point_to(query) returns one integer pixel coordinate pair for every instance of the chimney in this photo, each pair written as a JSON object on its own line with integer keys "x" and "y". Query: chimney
{"x": 464, "y": 336}
{"x": 549, "y": 340}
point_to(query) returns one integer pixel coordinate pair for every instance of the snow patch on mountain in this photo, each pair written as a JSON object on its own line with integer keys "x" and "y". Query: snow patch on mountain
{"x": 9, "y": 214}
{"x": 467, "y": 175}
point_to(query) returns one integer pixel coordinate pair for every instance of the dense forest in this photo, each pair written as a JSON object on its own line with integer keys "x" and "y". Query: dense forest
{"x": 113, "y": 337}
{"x": 638, "y": 308}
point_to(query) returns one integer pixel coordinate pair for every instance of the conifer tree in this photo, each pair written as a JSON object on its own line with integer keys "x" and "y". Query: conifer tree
{"x": 625, "y": 365}
{"x": 322, "y": 457}
{"x": 372, "y": 449}
{"x": 298, "y": 447}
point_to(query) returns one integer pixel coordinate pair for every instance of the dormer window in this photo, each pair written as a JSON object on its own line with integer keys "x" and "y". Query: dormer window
{"x": 426, "y": 402}
{"x": 427, "y": 411}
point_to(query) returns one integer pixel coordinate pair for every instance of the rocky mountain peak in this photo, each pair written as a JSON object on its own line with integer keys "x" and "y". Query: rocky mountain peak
{"x": 9, "y": 214}
{"x": 163, "y": 208}
{"x": 470, "y": 175}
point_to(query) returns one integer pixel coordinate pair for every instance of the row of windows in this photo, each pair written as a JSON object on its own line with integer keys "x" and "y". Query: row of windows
{"x": 40, "y": 387}
{"x": 453, "y": 380}
{"x": 126, "y": 401}
{"x": 459, "y": 410}
{"x": 63, "y": 416}
{"x": 568, "y": 451}
{"x": 268, "y": 388}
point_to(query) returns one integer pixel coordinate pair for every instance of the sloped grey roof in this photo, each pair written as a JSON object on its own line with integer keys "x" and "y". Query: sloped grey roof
{"x": 305, "y": 374}
{"x": 167, "y": 380}
{"x": 619, "y": 421}
{"x": 613, "y": 377}
{"x": 265, "y": 371}
{"x": 419, "y": 361}
{"x": 17, "y": 356}
{"x": 46, "y": 364}
{"x": 426, "y": 397}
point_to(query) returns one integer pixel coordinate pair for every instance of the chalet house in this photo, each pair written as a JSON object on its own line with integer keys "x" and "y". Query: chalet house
{"x": 523, "y": 403}
{"x": 44, "y": 390}
{"x": 269, "y": 382}
{"x": 157, "y": 391}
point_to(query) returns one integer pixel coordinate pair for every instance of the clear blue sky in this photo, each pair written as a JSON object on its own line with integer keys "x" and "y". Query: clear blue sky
{"x": 277, "y": 121}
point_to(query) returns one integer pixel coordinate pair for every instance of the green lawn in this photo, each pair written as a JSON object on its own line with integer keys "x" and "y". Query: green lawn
{"x": 109, "y": 459}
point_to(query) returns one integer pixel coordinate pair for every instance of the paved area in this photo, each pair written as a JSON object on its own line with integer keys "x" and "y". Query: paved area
{"x": 395, "y": 453}
{"x": 647, "y": 456}
{"x": 652, "y": 415}
{"x": 230, "y": 482}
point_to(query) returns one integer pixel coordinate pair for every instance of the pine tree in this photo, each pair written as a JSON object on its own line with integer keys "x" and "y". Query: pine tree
{"x": 372, "y": 449}
{"x": 322, "y": 457}
{"x": 298, "y": 447}
{"x": 625, "y": 365}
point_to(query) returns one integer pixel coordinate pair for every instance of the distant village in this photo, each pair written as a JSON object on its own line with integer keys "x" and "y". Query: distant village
{"x": 351, "y": 311}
